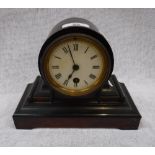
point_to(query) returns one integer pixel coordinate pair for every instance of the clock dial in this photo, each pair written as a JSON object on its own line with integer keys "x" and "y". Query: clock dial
{"x": 75, "y": 65}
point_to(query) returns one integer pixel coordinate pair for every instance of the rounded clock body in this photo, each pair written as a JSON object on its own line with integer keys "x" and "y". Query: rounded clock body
{"x": 76, "y": 60}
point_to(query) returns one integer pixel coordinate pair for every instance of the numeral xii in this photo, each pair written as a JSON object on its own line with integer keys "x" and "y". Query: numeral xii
{"x": 75, "y": 46}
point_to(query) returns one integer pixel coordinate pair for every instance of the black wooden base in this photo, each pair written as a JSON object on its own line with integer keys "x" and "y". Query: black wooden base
{"x": 113, "y": 108}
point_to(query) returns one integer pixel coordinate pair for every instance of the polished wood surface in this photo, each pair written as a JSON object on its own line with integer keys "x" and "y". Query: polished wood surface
{"x": 40, "y": 107}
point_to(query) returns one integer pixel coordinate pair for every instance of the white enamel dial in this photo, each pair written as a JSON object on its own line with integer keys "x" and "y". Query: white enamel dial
{"x": 76, "y": 65}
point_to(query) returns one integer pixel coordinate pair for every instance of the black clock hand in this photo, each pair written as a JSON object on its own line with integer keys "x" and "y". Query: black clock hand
{"x": 75, "y": 68}
{"x": 70, "y": 75}
{"x": 71, "y": 55}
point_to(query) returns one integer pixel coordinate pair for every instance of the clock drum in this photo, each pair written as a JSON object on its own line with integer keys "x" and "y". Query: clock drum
{"x": 76, "y": 60}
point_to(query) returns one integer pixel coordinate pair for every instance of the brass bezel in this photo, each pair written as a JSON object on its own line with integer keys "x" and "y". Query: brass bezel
{"x": 98, "y": 83}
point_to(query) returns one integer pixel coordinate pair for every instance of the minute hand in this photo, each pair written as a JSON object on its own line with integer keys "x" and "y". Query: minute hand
{"x": 71, "y": 54}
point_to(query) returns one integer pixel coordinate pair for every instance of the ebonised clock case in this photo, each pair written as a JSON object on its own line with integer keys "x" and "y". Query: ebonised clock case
{"x": 110, "y": 107}
{"x": 97, "y": 37}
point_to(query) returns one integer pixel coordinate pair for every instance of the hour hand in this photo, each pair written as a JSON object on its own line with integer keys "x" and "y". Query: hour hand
{"x": 75, "y": 68}
{"x": 70, "y": 76}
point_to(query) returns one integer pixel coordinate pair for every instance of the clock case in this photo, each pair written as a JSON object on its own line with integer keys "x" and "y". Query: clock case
{"x": 43, "y": 107}
{"x": 89, "y": 31}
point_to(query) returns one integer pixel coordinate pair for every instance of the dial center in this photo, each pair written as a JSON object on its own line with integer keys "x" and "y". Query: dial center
{"x": 75, "y": 67}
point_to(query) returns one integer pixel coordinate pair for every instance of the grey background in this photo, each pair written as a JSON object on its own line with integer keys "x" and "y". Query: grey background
{"x": 131, "y": 33}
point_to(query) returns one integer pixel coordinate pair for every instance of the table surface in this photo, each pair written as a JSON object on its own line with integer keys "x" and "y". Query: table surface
{"x": 131, "y": 34}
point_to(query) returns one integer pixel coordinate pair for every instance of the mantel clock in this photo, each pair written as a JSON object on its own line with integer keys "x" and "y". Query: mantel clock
{"x": 76, "y": 87}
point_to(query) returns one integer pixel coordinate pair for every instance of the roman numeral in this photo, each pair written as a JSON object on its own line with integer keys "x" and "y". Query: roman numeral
{"x": 93, "y": 57}
{"x": 65, "y": 50}
{"x": 55, "y": 67}
{"x": 96, "y": 67}
{"x": 76, "y": 81}
{"x": 57, "y": 57}
{"x": 75, "y": 85}
{"x": 86, "y": 50}
{"x": 65, "y": 82}
{"x": 86, "y": 82}
{"x": 75, "y": 47}
{"x": 58, "y": 76}
{"x": 92, "y": 76}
